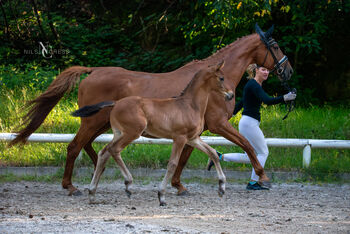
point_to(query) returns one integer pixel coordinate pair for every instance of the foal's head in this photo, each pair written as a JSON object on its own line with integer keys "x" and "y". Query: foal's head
{"x": 270, "y": 55}
{"x": 216, "y": 79}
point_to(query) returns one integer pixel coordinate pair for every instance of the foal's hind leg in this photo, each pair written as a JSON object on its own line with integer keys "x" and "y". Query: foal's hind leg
{"x": 116, "y": 149}
{"x": 204, "y": 147}
{"x": 103, "y": 156}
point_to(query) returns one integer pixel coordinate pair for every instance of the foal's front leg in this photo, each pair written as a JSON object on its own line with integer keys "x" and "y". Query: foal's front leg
{"x": 178, "y": 145}
{"x": 205, "y": 148}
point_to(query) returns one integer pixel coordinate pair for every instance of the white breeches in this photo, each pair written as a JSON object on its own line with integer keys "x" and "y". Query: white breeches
{"x": 249, "y": 128}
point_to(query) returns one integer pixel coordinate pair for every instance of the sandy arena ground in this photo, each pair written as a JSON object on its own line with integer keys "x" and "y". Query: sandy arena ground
{"x": 32, "y": 207}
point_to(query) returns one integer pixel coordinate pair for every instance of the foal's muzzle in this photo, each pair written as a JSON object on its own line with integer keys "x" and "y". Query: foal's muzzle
{"x": 229, "y": 95}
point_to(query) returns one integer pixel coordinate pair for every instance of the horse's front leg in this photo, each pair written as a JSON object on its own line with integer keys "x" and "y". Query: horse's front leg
{"x": 178, "y": 146}
{"x": 225, "y": 129}
{"x": 205, "y": 148}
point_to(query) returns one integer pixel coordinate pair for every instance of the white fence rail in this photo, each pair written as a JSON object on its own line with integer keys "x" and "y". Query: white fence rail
{"x": 306, "y": 144}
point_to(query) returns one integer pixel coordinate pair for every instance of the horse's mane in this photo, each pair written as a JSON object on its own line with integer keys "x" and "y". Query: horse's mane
{"x": 236, "y": 43}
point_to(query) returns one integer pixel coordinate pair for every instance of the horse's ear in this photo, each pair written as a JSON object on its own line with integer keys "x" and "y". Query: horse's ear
{"x": 260, "y": 32}
{"x": 220, "y": 65}
{"x": 269, "y": 32}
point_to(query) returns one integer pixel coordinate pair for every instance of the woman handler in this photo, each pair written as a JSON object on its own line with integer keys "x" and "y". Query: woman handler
{"x": 253, "y": 96}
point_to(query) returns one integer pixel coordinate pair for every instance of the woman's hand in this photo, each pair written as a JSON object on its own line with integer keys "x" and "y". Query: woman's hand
{"x": 289, "y": 96}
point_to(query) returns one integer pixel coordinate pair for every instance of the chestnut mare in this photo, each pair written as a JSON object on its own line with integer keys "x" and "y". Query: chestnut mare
{"x": 180, "y": 119}
{"x": 114, "y": 83}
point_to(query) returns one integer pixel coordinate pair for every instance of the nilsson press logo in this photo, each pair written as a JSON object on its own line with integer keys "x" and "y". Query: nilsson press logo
{"x": 46, "y": 50}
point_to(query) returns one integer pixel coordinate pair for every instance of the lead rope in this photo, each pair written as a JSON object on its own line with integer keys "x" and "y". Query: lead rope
{"x": 291, "y": 103}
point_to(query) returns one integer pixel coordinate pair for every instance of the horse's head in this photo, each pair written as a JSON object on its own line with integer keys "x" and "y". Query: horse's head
{"x": 271, "y": 56}
{"x": 217, "y": 81}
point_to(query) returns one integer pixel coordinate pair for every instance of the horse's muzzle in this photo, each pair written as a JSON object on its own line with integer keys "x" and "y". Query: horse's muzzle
{"x": 229, "y": 95}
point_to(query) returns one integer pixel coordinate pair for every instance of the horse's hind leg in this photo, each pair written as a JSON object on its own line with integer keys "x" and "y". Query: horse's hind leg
{"x": 87, "y": 131}
{"x": 178, "y": 146}
{"x": 205, "y": 148}
{"x": 90, "y": 150}
{"x": 73, "y": 150}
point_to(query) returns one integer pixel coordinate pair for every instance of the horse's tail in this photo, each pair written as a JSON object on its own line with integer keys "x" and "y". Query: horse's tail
{"x": 42, "y": 105}
{"x": 87, "y": 111}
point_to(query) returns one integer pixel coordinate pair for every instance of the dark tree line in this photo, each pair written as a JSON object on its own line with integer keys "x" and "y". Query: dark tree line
{"x": 159, "y": 36}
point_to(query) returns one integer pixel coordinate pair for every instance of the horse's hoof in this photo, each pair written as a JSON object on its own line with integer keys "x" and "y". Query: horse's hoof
{"x": 183, "y": 193}
{"x": 162, "y": 204}
{"x": 128, "y": 193}
{"x": 75, "y": 193}
{"x": 265, "y": 184}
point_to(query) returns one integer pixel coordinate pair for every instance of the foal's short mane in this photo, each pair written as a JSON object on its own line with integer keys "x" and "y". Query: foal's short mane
{"x": 195, "y": 77}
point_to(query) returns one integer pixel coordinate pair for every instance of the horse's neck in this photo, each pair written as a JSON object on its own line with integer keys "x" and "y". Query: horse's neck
{"x": 238, "y": 55}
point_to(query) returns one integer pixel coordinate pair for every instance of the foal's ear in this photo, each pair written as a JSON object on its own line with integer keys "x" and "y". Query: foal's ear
{"x": 220, "y": 65}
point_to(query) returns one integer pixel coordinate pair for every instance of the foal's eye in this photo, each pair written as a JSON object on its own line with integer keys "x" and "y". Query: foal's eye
{"x": 221, "y": 78}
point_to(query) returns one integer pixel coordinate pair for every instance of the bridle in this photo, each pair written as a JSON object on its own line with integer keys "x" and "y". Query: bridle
{"x": 280, "y": 65}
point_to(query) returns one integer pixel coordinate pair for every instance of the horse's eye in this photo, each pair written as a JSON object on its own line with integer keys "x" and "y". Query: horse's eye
{"x": 221, "y": 78}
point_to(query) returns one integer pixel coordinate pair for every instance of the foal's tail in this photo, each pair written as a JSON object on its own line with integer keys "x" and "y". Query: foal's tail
{"x": 42, "y": 105}
{"x": 87, "y": 111}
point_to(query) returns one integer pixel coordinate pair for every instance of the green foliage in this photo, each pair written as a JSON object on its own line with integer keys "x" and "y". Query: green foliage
{"x": 31, "y": 76}
{"x": 160, "y": 36}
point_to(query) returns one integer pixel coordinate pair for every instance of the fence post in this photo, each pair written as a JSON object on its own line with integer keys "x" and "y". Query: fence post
{"x": 306, "y": 156}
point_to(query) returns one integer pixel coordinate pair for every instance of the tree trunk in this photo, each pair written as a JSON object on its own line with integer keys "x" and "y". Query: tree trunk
{"x": 38, "y": 20}
{"x": 53, "y": 30}
{"x": 6, "y": 29}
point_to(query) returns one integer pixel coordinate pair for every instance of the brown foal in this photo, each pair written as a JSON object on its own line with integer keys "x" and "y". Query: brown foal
{"x": 180, "y": 119}
{"x": 115, "y": 83}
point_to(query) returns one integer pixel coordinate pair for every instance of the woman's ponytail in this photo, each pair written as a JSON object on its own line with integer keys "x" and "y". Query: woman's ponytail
{"x": 251, "y": 70}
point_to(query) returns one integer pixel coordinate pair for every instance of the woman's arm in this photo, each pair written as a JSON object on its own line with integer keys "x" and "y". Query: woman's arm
{"x": 266, "y": 98}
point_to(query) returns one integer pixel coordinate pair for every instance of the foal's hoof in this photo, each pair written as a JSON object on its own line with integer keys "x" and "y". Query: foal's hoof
{"x": 183, "y": 193}
{"x": 221, "y": 192}
{"x": 265, "y": 184}
{"x": 92, "y": 201}
{"x": 128, "y": 193}
{"x": 162, "y": 204}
